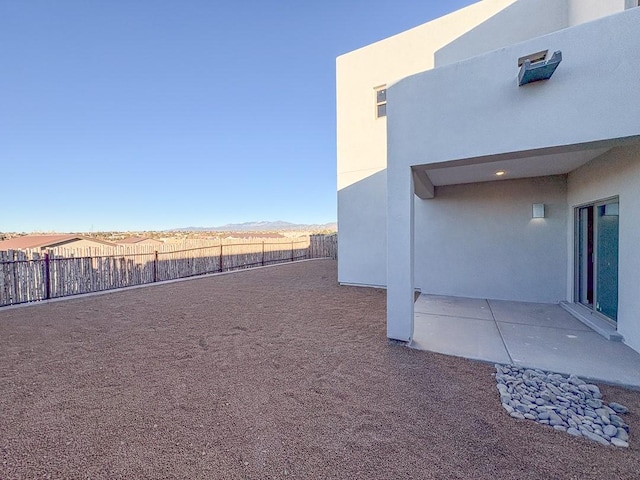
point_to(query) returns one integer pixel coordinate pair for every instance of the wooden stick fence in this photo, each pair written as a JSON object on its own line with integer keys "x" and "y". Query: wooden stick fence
{"x": 28, "y": 276}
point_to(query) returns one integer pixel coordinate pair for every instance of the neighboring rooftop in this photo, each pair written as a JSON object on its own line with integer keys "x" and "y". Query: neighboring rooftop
{"x": 137, "y": 240}
{"x": 243, "y": 235}
{"x": 47, "y": 241}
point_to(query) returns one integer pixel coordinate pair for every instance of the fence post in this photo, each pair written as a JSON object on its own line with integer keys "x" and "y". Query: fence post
{"x": 292, "y": 250}
{"x": 263, "y": 253}
{"x": 47, "y": 277}
{"x": 220, "y": 255}
{"x": 155, "y": 266}
{"x": 14, "y": 277}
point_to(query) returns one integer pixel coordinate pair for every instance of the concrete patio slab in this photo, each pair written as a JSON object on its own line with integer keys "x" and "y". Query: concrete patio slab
{"x": 534, "y": 335}
{"x": 541, "y": 314}
{"x": 463, "y": 337}
{"x": 584, "y": 353}
{"x": 453, "y": 306}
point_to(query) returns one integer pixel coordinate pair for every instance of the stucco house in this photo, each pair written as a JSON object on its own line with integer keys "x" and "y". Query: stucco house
{"x": 468, "y": 166}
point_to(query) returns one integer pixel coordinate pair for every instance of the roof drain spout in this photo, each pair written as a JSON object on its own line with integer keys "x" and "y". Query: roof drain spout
{"x": 542, "y": 70}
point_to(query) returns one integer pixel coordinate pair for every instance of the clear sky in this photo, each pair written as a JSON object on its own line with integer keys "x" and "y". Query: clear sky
{"x": 157, "y": 114}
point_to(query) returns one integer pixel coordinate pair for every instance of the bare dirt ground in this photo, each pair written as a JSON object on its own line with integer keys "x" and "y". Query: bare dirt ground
{"x": 270, "y": 373}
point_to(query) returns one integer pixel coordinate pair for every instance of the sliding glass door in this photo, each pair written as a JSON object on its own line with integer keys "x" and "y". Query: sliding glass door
{"x": 585, "y": 256}
{"x": 597, "y": 257}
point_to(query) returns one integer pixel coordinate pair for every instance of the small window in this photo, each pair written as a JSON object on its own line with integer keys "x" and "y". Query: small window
{"x": 381, "y": 101}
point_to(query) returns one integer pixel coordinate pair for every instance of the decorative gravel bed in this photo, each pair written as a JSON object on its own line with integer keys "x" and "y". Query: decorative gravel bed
{"x": 565, "y": 403}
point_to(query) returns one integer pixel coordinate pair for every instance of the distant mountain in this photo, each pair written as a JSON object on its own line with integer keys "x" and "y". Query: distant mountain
{"x": 259, "y": 227}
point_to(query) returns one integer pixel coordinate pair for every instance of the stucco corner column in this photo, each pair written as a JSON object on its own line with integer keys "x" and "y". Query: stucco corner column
{"x": 400, "y": 289}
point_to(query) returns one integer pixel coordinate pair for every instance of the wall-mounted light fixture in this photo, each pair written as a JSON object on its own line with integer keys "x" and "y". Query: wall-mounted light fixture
{"x": 538, "y": 210}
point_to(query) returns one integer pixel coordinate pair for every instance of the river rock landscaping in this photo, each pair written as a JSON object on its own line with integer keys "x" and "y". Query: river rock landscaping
{"x": 565, "y": 403}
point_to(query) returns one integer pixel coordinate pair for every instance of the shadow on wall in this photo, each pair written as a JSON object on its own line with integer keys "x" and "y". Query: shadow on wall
{"x": 480, "y": 240}
{"x": 362, "y": 226}
{"x": 525, "y": 23}
{"x": 475, "y": 240}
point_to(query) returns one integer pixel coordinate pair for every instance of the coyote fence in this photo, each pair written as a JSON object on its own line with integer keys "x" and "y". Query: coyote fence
{"x": 324, "y": 246}
{"x": 28, "y": 276}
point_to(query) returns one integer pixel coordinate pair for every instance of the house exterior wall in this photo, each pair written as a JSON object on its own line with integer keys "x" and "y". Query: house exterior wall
{"x": 473, "y": 111}
{"x": 464, "y": 107}
{"x": 517, "y": 22}
{"x": 361, "y": 145}
{"x": 362, "y": 138}
{"x": 479, "y": 240}
{"x": 525, "y": 19}
{"x": 581, "y": 11}
{"x": 616, "y": 173}
{"x": 441, "y": 115}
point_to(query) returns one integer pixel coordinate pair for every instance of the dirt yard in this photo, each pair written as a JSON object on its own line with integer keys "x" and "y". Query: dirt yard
{"x": 270, "y": 373}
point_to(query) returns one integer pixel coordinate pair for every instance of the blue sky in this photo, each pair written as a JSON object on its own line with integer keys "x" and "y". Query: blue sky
{"x": 155, "y": 114}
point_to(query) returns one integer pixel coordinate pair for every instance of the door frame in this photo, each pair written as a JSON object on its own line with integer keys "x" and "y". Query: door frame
{"x": 576, "y": 263}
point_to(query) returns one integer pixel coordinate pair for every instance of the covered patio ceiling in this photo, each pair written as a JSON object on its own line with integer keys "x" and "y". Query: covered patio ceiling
{"x": 535, "y": 166}
{"x": 522, "y": 164}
